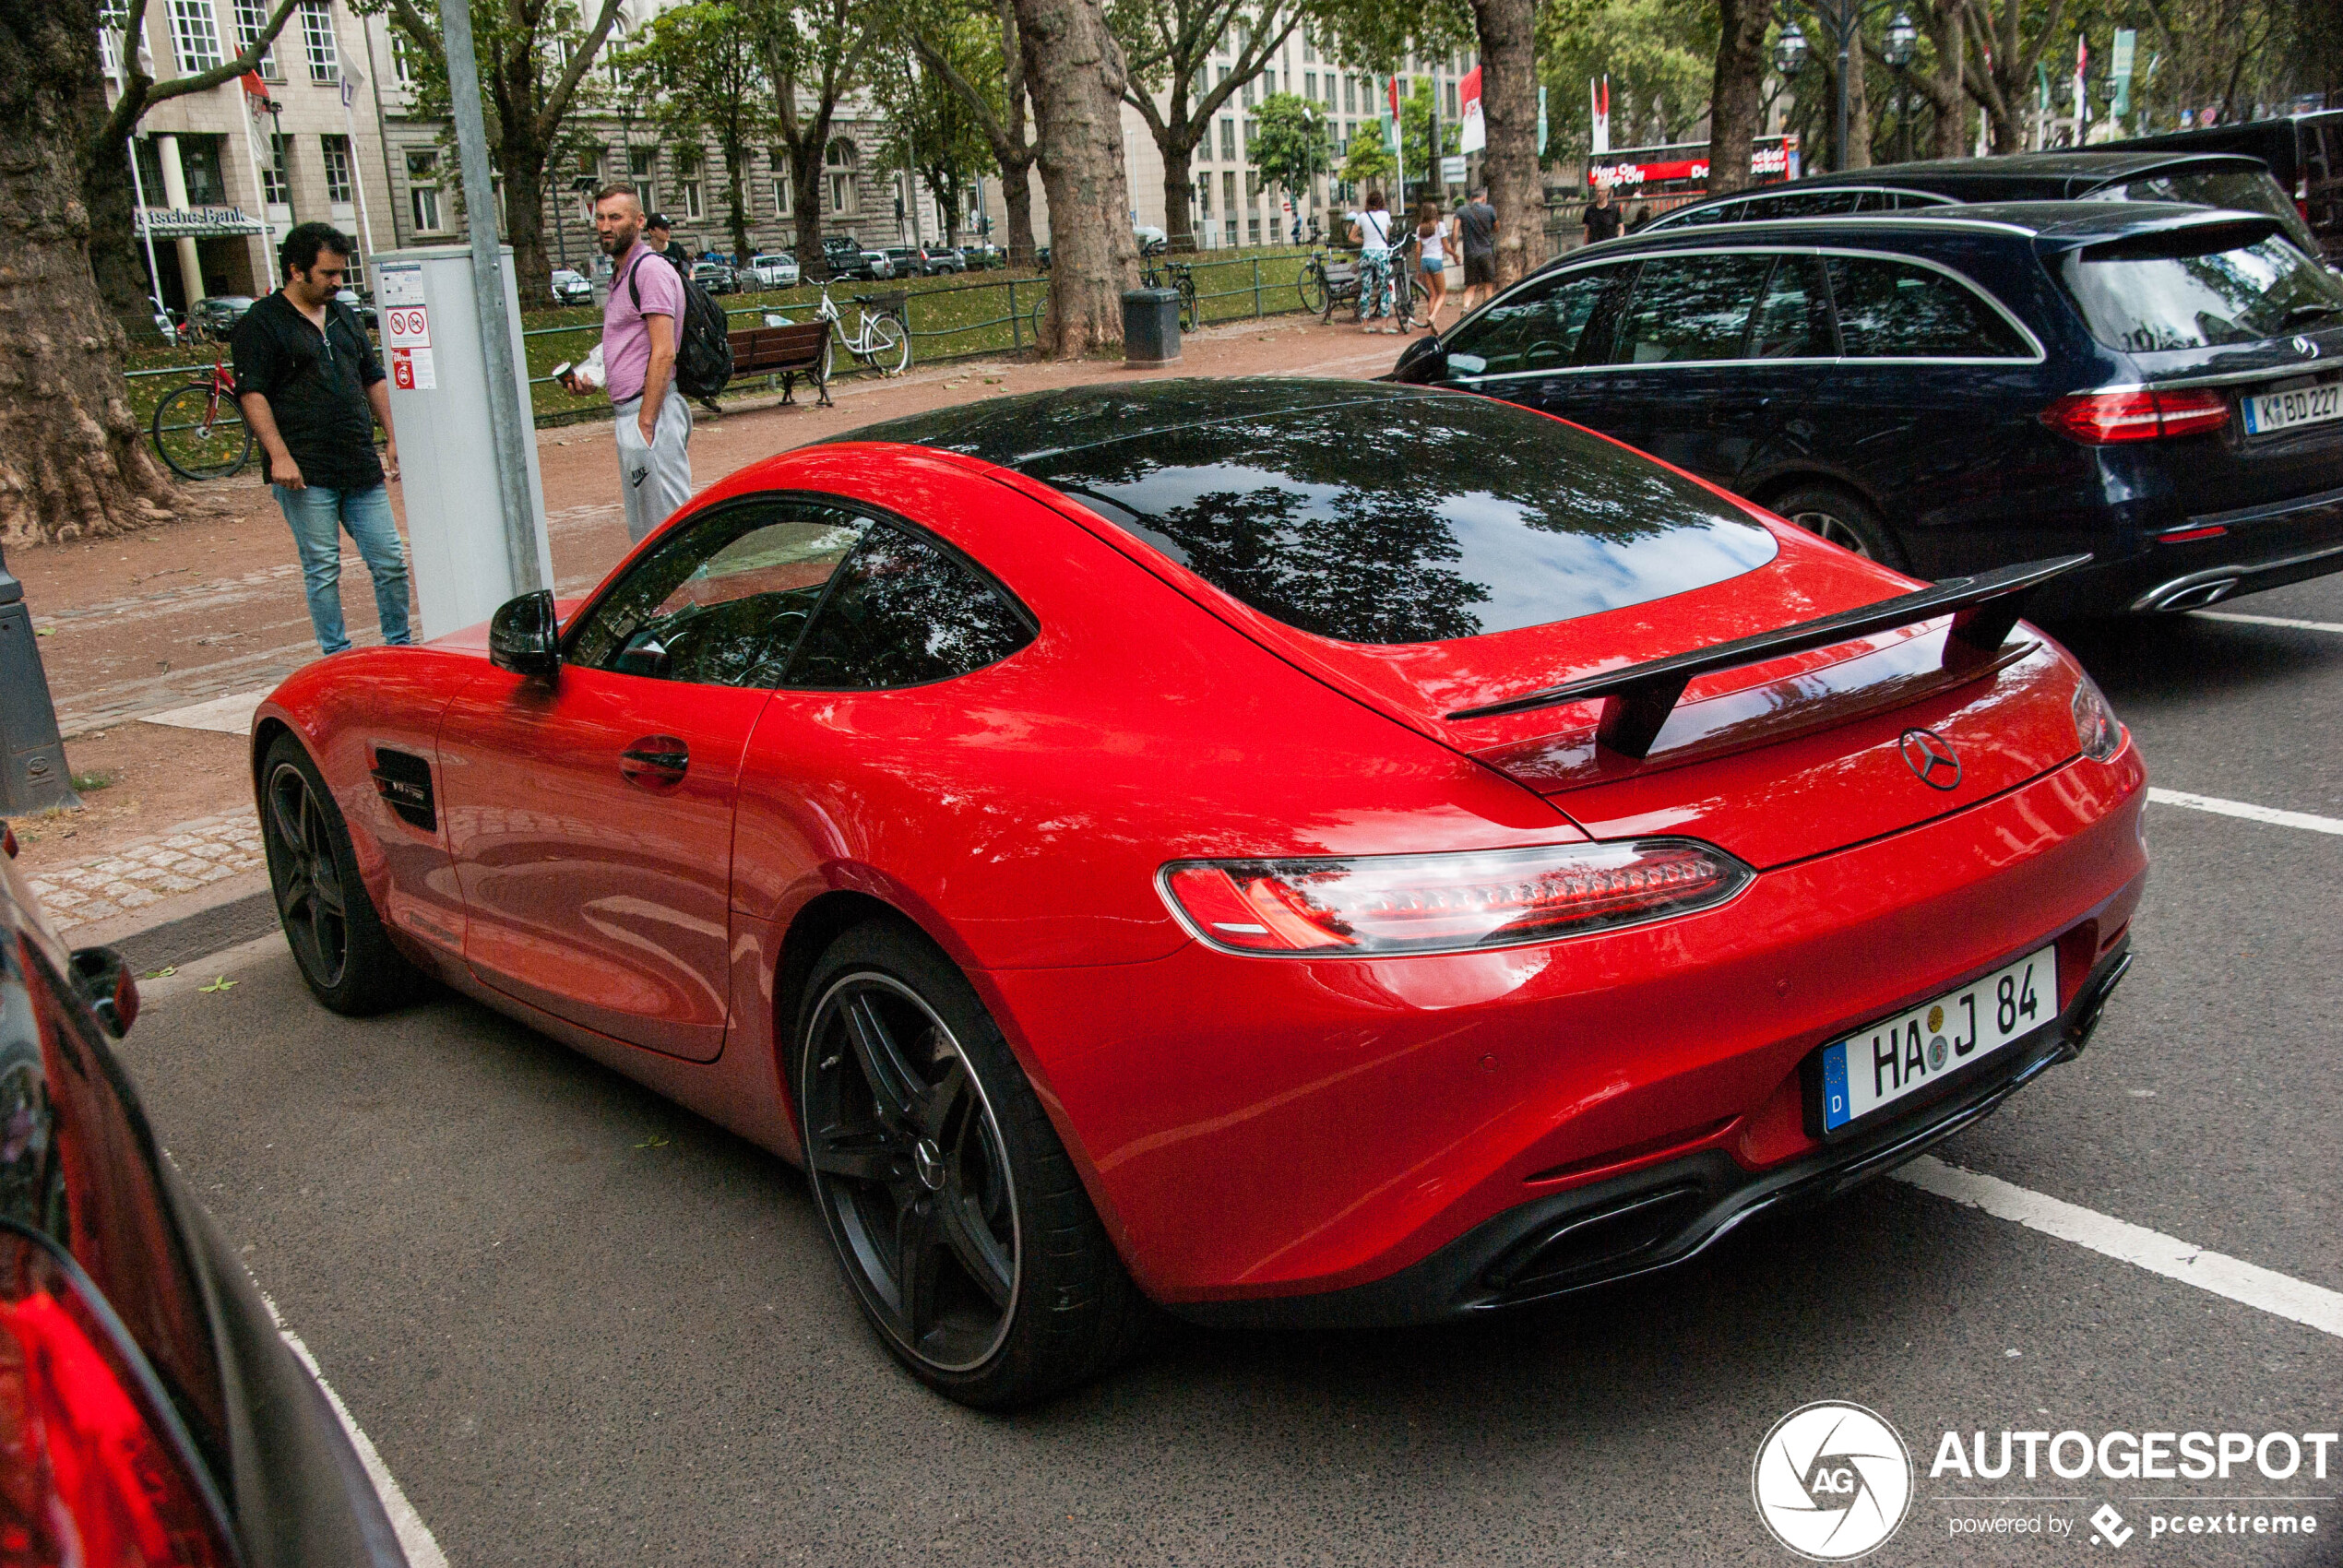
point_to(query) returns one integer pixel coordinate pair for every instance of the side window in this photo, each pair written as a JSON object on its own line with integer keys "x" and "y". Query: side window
{"x": 1794, "y": 314}
{"x": 905, "y": 613}
{"x": 724, "y": 602}
{"x": 1691, "y": 307}
{"x": 1543, "y": 328}
{"x": 1897, "y": 310}
{"x": 1800, "y": 204}
{"x": 1723, "y": 212}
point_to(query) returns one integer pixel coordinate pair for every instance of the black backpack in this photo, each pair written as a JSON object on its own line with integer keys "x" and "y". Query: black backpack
{"x": 703, "y": 339}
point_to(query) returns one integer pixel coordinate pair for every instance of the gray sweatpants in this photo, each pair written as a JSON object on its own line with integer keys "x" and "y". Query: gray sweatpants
{"x": 657, "y": 478}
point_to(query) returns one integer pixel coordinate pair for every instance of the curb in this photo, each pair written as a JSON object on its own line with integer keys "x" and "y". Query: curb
{"x": 180, "y": 931}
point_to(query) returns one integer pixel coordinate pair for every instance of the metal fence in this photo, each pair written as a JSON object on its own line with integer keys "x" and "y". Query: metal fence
{"x": 946, "y": 321}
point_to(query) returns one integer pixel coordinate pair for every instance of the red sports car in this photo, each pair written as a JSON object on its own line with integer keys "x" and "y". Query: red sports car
{"x": 1287, "y": 851}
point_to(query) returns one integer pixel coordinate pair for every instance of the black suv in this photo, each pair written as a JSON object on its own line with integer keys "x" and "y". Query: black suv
{"x": 2161, "y": 386}
{"x": 2199, "y": 179}
{"x": 2305, "y": 152}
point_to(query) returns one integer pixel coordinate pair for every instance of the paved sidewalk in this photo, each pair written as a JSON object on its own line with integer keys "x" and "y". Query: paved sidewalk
{"x": 137, "y": 876}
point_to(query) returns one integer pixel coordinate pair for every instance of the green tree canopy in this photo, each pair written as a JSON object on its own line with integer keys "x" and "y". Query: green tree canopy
{"x": 1290, "y": 142}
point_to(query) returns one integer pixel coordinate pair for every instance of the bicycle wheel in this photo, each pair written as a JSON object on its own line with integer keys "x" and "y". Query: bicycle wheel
{"x": 1313, "y": 289}
{"x": 1041, "y": 315}
{"x": 890, "y": 346}
{"x": 199, "y": 437}
{"x": 1189, "y": 315}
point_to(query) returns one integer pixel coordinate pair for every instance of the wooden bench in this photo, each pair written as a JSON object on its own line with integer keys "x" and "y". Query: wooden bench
{"x": 788, "y": 352}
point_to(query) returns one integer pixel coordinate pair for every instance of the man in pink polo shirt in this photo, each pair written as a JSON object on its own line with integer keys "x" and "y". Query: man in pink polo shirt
{"x": 638, "y": 362}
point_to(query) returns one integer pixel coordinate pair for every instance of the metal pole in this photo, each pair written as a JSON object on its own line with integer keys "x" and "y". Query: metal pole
{"x": 357, "y": 174}
{"x": 1843, "y": 20}
{"x": 32, "y": 760}
{"x": 507, "y": 424}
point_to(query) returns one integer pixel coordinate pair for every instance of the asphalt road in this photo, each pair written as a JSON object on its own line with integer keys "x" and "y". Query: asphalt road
{"x": 584, "y": 1327}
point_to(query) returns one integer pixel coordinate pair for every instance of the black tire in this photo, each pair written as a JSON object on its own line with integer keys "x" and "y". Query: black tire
{"x": 934, "y": 1164}
{"x": 197, "y": 447}
{"x": 1843, "y": 517}
{"x": 1313, "y": 289}
{"x": 345, "y": 957}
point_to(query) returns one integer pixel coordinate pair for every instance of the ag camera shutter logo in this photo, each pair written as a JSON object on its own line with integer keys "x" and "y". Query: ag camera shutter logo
{"x": 1832, "y": 1482}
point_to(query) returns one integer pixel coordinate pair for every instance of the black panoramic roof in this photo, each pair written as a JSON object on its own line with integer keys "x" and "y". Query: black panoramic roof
{"x": 2047, "y": 224}
{"x": 2081, "y": 171}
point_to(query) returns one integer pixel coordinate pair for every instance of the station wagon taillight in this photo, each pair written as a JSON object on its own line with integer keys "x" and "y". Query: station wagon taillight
{"x": 2102, "y": 418}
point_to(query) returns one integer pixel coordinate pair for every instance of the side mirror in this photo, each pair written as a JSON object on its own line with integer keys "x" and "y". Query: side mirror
{"x": 1424, "y": 362}
{"x": 523, "y": 636}
{"x": 105, "y": 982}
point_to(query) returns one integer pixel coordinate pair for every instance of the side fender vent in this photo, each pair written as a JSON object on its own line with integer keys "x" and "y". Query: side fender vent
{"x": 403, "y": 780}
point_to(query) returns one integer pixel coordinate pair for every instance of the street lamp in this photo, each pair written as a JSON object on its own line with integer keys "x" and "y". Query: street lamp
{"x": 1789, "y": 50}
{"x": 1902, "y": 37}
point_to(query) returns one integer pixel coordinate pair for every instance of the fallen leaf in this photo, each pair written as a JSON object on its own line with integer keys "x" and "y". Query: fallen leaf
{"x": 164, "y": 973}
{"x": 219, "y": 983}
{"x": 46, "y": 632}
{"x": 656, "y": 1140}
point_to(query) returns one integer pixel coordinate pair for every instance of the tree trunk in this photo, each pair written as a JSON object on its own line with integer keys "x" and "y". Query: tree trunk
{"x": 1073, "y": 70}
{"x": 1858, "y": 111}
{"x": 1506, "y": 32}
{"x": 805, "y": 181}
{"x": 736, "y": 195}
{"x": 113, "y": 240}
{"x": 1179, "y": 195}
{"x": 1733, "y": 91}
{"x": 74, "y": 462}
{"x": 1017, "y": 194}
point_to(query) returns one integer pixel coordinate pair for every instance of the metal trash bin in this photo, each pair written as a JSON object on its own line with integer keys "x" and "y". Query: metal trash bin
{"x": 1150, "y": 325}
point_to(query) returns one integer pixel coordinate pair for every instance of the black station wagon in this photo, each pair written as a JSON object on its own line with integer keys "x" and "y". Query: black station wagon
{"x": 2160, "y": 386}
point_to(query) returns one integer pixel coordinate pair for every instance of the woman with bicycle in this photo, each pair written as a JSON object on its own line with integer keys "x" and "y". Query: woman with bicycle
{"x": 1370, "y": 231}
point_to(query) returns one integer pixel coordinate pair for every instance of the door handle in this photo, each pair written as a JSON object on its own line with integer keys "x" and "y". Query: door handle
{"x": 655, "y": 760}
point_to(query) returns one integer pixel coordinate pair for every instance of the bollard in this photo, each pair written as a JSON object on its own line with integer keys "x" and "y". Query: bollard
{"x": 33, "y": 759}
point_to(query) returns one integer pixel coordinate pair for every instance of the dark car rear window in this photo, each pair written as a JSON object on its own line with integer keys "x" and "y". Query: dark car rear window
{"x": 1414, "y": 518}
{"x": 2239, "y": 190}
{"x": 2200, "y": 287}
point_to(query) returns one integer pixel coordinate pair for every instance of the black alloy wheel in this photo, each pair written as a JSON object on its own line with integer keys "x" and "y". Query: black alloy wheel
{"x": 937, "y": 1175}
{"x": 345, "y": 957}
{"x": 1843, "y": 518}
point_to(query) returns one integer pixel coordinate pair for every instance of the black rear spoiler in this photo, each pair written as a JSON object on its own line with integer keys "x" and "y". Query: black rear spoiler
{"x": 1983, "y": 608}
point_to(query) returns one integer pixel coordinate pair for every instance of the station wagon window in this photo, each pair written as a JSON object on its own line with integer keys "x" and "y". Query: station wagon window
{"x": 905, "y": 612}
{"x": 1794, "y": 314}
{"x": 1543, "y": 327}
{"x": 723, "y": 603}
{"x": 1691, "y": 307}
{"x": 1800, "y": 204}
{"x": 1901, "y": 310}
{"x": 2199, "y": 288}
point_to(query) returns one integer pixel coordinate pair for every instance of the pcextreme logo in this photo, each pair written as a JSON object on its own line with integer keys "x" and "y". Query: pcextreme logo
{"x": 1832, "y": 1482}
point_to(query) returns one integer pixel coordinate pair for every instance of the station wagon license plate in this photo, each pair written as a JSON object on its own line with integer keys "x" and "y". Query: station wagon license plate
{"x": 2274, "y": 411}
{"x": 1896, "y": 1057}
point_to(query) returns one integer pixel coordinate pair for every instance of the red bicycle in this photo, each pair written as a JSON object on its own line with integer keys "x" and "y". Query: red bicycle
{"x": 200, "y": 428}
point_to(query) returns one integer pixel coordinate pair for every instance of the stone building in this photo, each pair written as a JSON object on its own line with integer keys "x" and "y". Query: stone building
{"x": 222, "y": 175}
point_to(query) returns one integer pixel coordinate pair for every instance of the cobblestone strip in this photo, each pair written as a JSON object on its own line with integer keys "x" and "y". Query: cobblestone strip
{"x": 186, "y": 858}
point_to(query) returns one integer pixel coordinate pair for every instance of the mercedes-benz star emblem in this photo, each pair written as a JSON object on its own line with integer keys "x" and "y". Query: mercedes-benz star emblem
{"x": 1931, "y": 758}
{"x": 2306, "y": 346}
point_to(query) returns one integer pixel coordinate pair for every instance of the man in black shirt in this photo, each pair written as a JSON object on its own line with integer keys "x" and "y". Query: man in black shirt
{"x": 311, "y": 388}
{"x": 1601, "y": 217}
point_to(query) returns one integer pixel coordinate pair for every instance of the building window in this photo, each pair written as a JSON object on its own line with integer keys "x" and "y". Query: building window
{"x": 338, "y": 187}
{"x": 784, "y": 186}
{"x": 114, "y": 20}
{"x": 1227, "y": 141}
{"x": 194, "y": 35}
{"x": 1204, "y": 196}
{"x": 1253, "y": 230}
{"x": 1350, "y": 95}
{"x": 1246, "y": 92}
{"x": 839, "y": 158}
{"x": 1252, "y": 186}
{"x": 402, "y": 69}
{"x": 1453, "y": 112}
{"x": 687, "y": 176}
{"x": 252, "y": 16}
{"x": 317, "y": 40}
{"x": 1309, "y": 48}
{"x": 275, "y": 180}
{"x": 1310, "y": 86}
{"x": 422, "y": 179}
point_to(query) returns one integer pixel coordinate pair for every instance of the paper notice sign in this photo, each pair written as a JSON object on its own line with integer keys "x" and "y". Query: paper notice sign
{"x": 399, "y": 283}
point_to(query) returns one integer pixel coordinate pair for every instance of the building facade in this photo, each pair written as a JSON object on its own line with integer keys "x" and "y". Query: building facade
{"x": 222, "y": 175}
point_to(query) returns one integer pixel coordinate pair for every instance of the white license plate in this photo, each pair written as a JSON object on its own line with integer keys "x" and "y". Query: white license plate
{"x": 2274, "y": 411}
{"x": 1878, "y": 1065}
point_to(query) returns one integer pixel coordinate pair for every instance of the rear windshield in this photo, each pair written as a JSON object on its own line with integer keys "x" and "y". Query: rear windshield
{"x": 1414, "y": 518}
{"x": 2239, "y": 190}
{"x": 2143, "y": 300}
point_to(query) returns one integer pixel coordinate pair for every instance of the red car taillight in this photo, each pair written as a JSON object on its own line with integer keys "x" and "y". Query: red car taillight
{"x": 91, "y": 1476}
{"x": 2102, "y": 418}
{"x": 1382, "y": 904}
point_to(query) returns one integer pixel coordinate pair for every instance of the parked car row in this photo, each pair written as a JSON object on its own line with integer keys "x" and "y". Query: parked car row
{"x": 1959, "y": 387}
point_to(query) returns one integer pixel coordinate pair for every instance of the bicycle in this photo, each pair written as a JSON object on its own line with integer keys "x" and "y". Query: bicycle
{"x": 1324, "y": 285}
{"x": 199, "y": 429}
{"x": 879, "y": 336}
{"x": 1183, "y": 276}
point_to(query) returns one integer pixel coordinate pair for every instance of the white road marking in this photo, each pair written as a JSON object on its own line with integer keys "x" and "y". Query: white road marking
{"x": 414, "y": 1536}
{"x": 2280, "y": 1295}
{"x": 2270, "y": 814}
{"x": 2266, "y": 621}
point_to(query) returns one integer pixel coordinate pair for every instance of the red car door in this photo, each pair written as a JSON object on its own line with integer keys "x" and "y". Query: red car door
{"x": 590, "y": 815}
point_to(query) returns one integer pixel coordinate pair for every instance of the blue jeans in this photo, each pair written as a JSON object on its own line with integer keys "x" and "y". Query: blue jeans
{"x": 318, "y": 516}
